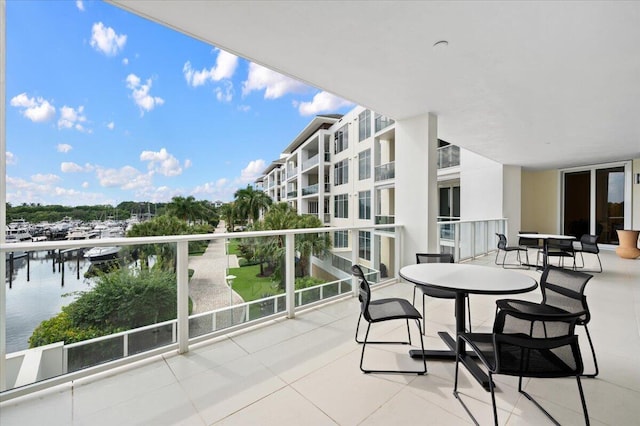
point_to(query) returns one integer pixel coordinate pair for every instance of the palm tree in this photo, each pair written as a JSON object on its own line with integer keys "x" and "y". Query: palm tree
{"x": 187, "y": 209}
{"x": 311, "y": 244}
{"x": 229, "y": 213}
{"x": 251, "y": 202}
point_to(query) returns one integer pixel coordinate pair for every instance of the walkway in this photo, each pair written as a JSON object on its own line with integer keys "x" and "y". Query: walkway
{"x": 208, "y": 288}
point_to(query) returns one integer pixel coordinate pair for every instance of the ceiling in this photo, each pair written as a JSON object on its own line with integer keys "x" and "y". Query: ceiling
{"x": 536, "y": 84}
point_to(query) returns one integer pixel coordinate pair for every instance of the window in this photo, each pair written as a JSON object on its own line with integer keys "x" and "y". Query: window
{"x": 364, "y": 165}
{"x": 364, "y": 245}
{"x": 341, "y": 172}
{"x": 341, "y": 206}
{"x": 364, "y": 205}
{"x": 341, "y": 139}
{"x": 364, "y": 125}
{"x": 341, "y": 239}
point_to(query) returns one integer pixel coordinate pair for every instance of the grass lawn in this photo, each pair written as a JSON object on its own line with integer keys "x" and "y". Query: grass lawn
{"x": 251, "y": 287}
{"x": 233, "y": 247}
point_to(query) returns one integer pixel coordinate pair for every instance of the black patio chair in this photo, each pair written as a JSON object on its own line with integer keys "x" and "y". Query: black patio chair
{"x": 502, "y": 245}
{"x": 562, "y": 249}
{"x": 588, "y": 244}
{"x": 530, "y": 243}
{"x": 511, "y": 350}
{"x": 433, "y": 292}
{"x": 562, "y": 292}
{"x": 375, "y": 311}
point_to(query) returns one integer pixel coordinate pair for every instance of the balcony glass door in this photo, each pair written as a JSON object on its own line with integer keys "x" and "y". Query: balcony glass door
{"x": 596, "y": 201}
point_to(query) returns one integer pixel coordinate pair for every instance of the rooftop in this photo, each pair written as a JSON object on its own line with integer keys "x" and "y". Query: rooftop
{"x": 307, "y": 368}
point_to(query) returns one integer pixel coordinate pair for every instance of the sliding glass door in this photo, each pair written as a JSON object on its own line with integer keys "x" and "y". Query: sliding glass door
{"x": 596, "y": 200}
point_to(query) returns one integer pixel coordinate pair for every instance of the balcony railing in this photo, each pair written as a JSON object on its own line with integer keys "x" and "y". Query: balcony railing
{"x": 381, "y": 122}
{"x": 310, "y": 162}
{"x": 448, "y": 156}
{"x": 292, "y": 194}
{"x": 292, "y": 172}
{"x": 327, "y": 218}
{"x": 468, "y": 239}
{"x": 309, "y": 190}
{"x": 47, "y": 366}
{"x": 385, "y": 220}
{"x": 327, "y": 157}
{"x": 385, "y": 172}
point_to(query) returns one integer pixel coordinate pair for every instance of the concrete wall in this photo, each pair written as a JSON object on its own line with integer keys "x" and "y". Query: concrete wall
{"x": 481, "y": 187}
{"x": 540, "y": 201}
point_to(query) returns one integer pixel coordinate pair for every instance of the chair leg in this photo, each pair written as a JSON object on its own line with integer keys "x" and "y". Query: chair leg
{"x": 409, "y": 331}
{"x": 469, "y": 312}
{"x": 493, "y": 400}
{"x": 593, "y": 352}
{"x": 455, "y": 391}
{"x": 582, "y": 400}
{"x": 364, "y": 344}
{"x": 358, "y": 327}
{"x": 599, "y": 262}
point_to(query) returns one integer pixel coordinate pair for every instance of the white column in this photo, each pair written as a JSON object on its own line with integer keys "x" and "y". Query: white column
{"x": 417, "y": 185}
{"x": 3, "y": 191}
{"x": 182, "y": 268}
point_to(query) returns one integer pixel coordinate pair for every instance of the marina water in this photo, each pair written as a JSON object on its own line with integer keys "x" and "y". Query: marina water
{"x": 42, "y": 297}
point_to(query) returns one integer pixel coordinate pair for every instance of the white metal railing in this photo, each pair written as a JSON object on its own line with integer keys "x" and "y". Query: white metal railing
{"x": 468, "y": 239}
{"x": 132, "y": 345}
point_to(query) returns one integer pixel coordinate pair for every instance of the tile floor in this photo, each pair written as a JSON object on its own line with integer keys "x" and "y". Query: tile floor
{"x": 290, "y": 372}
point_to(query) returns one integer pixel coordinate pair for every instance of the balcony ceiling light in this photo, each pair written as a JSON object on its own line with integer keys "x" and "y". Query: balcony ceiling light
{"x": 441, "y": 44}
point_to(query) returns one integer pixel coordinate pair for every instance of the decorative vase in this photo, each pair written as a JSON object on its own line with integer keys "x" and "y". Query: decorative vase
{"x": 628, "y": 248}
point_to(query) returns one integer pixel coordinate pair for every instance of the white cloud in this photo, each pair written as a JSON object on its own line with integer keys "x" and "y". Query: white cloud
{"x": 23, "y": 191}
{"x": 72, "y": 118}
{"x": 187, "y": 163}
{"x": 225, "y": 94}
{"x": 126, "y": 177}
{"x": 11, "y": 158}
{"x": 71, "y": 167}
{"x": 85, "y": 184}
{"x": 253, "y": 171}
{"x": 140, "y": 94}
{"x": 105, "y": 40}
{"x": 125, "y": 61}
{"x": 37, "y": 110}
{"x": 244, "y": 108}
{"x": 111, "y": 125}
{"x": 322, "y": 102}
{"x": 64, "y": 147}
{"x": 162, "y": 162}
{"x": 226, "y": 64}
{"x": 274, "y": 84}
{"x": 80, "y": 5}
{"x": 45, "y": 179}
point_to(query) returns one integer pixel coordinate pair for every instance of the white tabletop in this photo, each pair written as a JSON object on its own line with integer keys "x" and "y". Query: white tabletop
{"x": 473, "y": 279}
{"x": 547, "y": 236}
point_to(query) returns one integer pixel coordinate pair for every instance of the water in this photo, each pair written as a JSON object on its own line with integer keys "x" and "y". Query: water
{"x": 42, "y": 297}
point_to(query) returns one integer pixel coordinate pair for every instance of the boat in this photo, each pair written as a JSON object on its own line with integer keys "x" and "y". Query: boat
{"x": 100, "y": 254}
{"x": 17, "y": 254}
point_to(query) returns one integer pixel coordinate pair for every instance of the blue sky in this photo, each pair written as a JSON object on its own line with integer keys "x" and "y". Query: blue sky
{"x": 104, "y": 106}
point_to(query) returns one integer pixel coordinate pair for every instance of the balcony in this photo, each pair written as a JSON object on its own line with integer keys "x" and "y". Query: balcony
{"x": 292, "y": 172}
{"x": 310, "y": 190}
{"x": 292, "y": 194}
{"x": 385, "y": 172}
{"x": 307, "y": 164}
{"x": 385, "y": 220}
{"x": 448, "y": 156}
{"x": 382, "y": 122}
{"x": 307, "y": 368}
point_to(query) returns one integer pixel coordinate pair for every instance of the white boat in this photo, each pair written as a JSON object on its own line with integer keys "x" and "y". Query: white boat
{"x": 98, "y": 254}
{"x": 14, "y": 254}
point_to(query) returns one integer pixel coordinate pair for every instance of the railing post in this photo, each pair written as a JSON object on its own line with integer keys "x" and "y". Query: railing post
{"x": 182, "y": 267}
{"x": 125, "y": 345}
{"x": 290, "y": 275}
{"x": 354, "y": 261}
{"x": 457, "y": 228}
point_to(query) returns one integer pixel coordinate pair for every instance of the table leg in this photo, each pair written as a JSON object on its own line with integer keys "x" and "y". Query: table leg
{"x": 453, "y": 343}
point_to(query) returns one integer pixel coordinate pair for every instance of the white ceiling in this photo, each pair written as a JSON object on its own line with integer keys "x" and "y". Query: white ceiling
{"x": 537, "y": 84}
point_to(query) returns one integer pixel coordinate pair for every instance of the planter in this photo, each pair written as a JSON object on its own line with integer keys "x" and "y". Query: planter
{"x": 628, "y": 248}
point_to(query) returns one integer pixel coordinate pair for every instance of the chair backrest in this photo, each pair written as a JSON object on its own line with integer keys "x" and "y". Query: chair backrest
{"x": 364, "y": 293}
{"x": 528, "y": 242}
{"x": 564, "y": 289}
{"x": 589, "y": 243}
{"x": 502, "y": 241}
{"x": 555, "y": 354}
{"x": 560, "y": 244}
{"x": 434, "y": 258}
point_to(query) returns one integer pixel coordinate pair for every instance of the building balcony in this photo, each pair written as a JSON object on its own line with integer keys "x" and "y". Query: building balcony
{"x": 310, "y": 190}
{"x": 385, "y": 172}
{"x": 382, "y": 122}
{"x": 285, "y": 370}
{"x": 292, "y": 194}
{"x": 313, "y": 161}
{"x": 448, "y": 156}
{"x": 384, "y": 220}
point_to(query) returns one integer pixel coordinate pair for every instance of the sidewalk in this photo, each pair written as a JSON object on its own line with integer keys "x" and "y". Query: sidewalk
{"x": 208, "y": 288}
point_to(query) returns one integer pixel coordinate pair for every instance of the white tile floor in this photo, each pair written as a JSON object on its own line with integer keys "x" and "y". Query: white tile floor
{"x": 290, "y": 372}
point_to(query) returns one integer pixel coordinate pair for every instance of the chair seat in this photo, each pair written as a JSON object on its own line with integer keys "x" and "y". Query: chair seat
{"x": 392, "y": 308}
{"x": 541, "y": 362}
{"x": 440, "y": 294}
{"x": 514, "y": 248}
{"x": 526, "y": 307}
